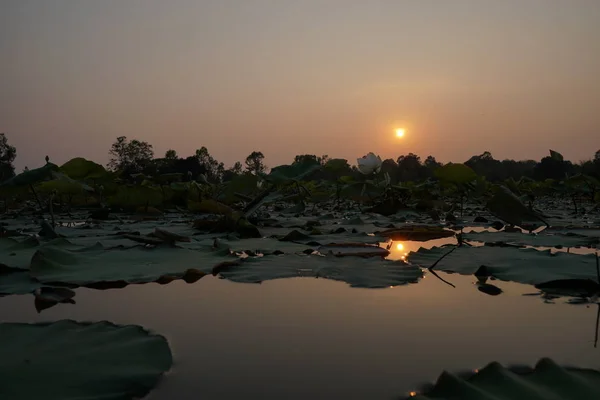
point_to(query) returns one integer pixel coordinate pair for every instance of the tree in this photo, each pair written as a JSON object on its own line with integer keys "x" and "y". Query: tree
{"x": 130, "y": 157}
{"x": 8, "y": 154}
{"x": 213, "y": 169}
{"x": 254, "y": 162}
{"x": 237, "y": 168}
{"x": 171, "y": 155}
{"x": 410, "y": 167}
{"x": 232, "y": 172}
{"x": 553, "y": 167}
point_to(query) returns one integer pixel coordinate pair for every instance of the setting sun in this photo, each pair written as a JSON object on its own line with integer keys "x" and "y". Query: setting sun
{"x": 399, "y": 132}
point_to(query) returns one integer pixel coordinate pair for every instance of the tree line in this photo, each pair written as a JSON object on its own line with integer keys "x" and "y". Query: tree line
{"x": 132, "y": 157}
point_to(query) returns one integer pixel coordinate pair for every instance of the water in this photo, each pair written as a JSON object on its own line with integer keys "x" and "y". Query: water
{"x": 313, "y": 338}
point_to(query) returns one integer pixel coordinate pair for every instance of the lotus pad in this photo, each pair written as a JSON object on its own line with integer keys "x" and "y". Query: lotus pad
{"x": 547, "y": 381}
{"x": 527, "y": 266}
{"x": 540, "y": 240}
{"x": 357, "y": 272}
{"x": 131, "y": 265}
{"x": 68, "y": 360}
{"x": 18, "y": 282}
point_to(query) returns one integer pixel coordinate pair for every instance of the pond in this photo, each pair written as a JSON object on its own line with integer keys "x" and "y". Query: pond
{"x": 302, "y": 338}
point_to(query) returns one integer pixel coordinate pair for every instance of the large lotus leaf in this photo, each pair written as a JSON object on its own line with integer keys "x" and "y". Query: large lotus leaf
{"x": 527, "y": 266}
{"x": 589, "y": 232}
{"x": 133, "y": 196}
{"x": 555, "y": 155}
{"x": 82, "y": 169}
{"x": 16, "y": 254}
{"x": 417, "y": 233}
{"x": 96, "y": 265}
{"x": 17, "y": 282}
{"x": 536, "y": 240}
{"x": 61, "y": 187}
{"x": 68, "y": 360}
{"x": 361, "y": 191}
{"x": 547, "y": 381}
{"x": 294, "y": 172}
{"x": 455, "y": 173}
{"x": 244, "y": 184}
{"x": 31, "y": 176}
{"x": 262, "y": 245}
{"x": 506, "y": 206}
{"x": 356, "y": 271}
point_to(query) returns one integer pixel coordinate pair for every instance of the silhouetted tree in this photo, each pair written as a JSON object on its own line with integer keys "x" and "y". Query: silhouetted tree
{"x": 130, "y": 157}
{"x": 390, "y": 167}
{"x": 8, "y": 154}
{"x": 213, "y": 169}
{"x": 410, "y": 167}
{"x": 232, "y": 172}
{"x": 254, "y": 162}
{"x": 552, "y": 168}
{"x": 171, "y": 155}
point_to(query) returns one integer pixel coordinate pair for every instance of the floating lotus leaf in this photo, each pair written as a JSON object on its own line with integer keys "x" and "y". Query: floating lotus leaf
{"x": 68, "y": 360}
{"x": 120, "y": 266}
{"x": 356, "y": 271}
{"x": 527, "y": 266}
{"x": 547, "y": 381}
{"x": 542, "y": 239}
{"x": 417, "y": 233}
{"x": 16, "y": 254}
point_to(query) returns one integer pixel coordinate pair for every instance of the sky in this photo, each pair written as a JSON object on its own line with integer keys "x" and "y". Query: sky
{"x": 336, "y": 77}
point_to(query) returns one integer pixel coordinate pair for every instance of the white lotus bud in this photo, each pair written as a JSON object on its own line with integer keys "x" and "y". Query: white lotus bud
{"x": 369, "y": 164}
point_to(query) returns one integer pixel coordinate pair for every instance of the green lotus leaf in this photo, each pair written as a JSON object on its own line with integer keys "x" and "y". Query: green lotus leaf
{"x": 457, "y": 174}
{"x": 356, "y": 271}
{"x": 527, "y": 266}
{"x": 547, "y": 381}
{"x": 68, "y": 360}
{"x": 81, "y": 169}
{"x": 32, "y": 176}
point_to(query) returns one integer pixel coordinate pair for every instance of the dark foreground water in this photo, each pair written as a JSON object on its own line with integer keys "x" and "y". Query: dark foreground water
{"x": 310, "y": 338}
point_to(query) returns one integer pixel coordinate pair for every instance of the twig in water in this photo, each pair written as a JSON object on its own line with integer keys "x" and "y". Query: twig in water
{"x": 441, "y": 279}
{"x": 597, "y": 268}
{"x": 597, "y": 324}
{"x": 436, "y": 263}
{"x": 441, "y": 258}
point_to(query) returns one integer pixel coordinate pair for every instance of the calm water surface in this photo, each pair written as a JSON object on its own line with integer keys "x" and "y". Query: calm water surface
{"x": 313, "y": 338}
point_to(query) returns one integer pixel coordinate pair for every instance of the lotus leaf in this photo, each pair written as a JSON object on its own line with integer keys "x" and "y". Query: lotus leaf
{"x": 457, "y": 174}
{"x": 356, "y": 271}
{"x": 32, "y": 176}
{"x": 69, "y": 360}
{"x": 542, "y": 239}
{"x": 547, "y": 381}
{"x": 81, "y": 169}
{"x": 527, "y": 266}
{"x": 99, "y": 266}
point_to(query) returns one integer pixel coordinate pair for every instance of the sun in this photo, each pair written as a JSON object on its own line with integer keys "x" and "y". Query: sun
{"x": 400, "y": 132}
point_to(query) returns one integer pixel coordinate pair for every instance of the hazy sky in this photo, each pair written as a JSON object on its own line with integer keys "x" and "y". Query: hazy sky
{"x": 515, "y": 77}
